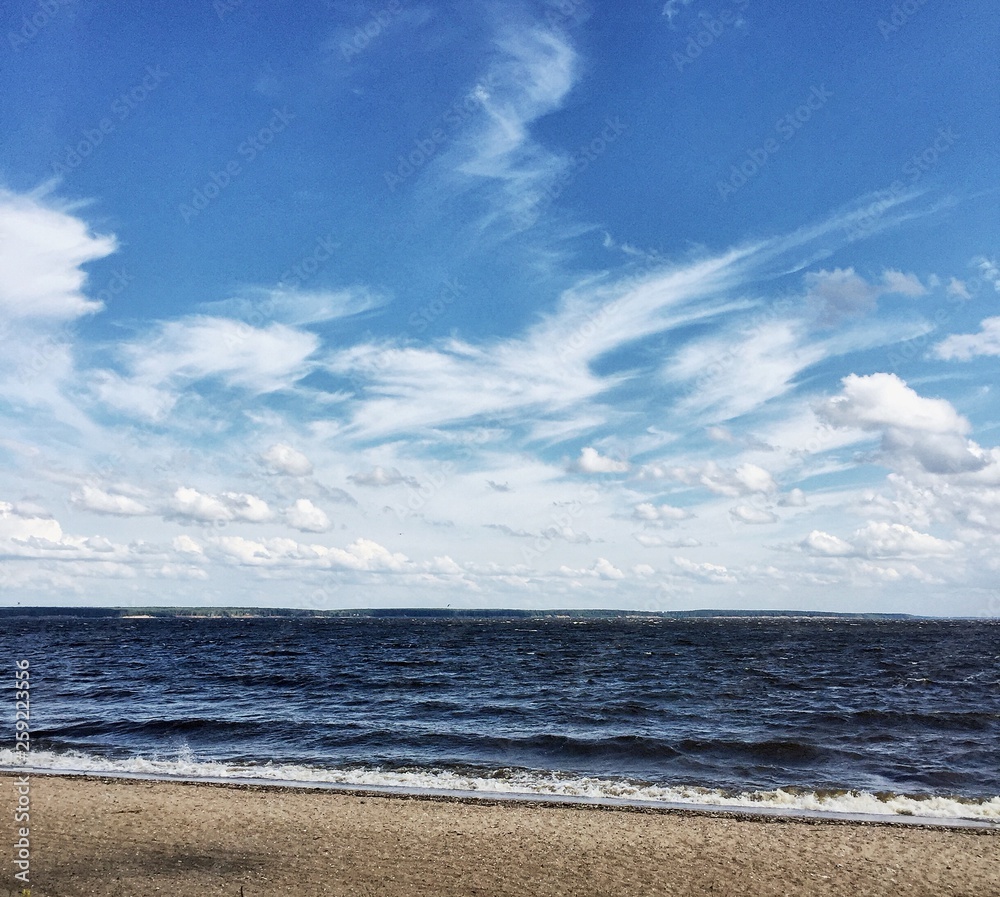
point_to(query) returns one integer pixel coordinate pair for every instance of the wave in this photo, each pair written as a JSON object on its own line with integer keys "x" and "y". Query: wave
{"x": 519, "y": 783}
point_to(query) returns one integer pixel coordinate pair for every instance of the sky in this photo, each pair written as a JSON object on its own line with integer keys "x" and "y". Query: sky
{"x": 659, "y": 306}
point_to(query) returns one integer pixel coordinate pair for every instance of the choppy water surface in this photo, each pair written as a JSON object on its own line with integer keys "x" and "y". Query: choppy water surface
{"x": 803, "y": 713}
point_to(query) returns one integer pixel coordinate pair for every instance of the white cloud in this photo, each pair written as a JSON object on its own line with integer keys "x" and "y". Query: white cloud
{"x": 841, "y": 293}
{"x": 745, "y": 479}
{"x": 592, "y": 461}
{"x": 186, "y": 545}
{"x": 381, "y": 476}
{"x": 601, "y": 569}
{"x": 297, "y": 307}
{"x": 795, "y": 498}
{"x": 885, "y": 540}
{"x": 879, "y": 540}
{"x": 14, "y": 526}
{"x": 650, "y": 513}
{"x": 962, "y": 347}
{"x": 362, "y": 555}
{"x": 706, "y": 571}
{"x": 838, "y": 294}
{"x": 305, "y": 516}
{"x": 716, "y": 368}
{"x": 146, "y": 401}
{"x": 958, "y": 289}
{"x": 903, "y": 284}
{"x": 827, "y": 545}
{"x": 751, "y": 515}
{"x": 720, "y": 434}
{"x": 42, "y": 250}
{"x": 90, "y": 498}
{"x": 651, "y": 540}
{"x": 930, "y": 431}
{"x": 989, "y": 269}
{"x": 177, "y": 354}
{"x": 190, "y": 504}
{"x": 283, "y": 458}
{"x": 531, "y": 77}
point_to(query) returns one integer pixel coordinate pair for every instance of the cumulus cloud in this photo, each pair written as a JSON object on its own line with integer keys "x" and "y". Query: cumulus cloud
{"x": 930, "y": 431}
{"x": 827, "y": 545}
{"x": 592, "y": 461}
{"x": 902, "y": 284}
{"x": 745, "y": 479}
{"x": 284, "y": 459}
{"x": 362, "y": 555}
{"x": 601, "y": 569}
{"x": 879, "y": 540}
{"x": 647, "y": 512}
{"x": 305, "y": 516}
{"x": 885, "y": 540}
{"x": 989, "y": 270}
{"x": 706, "y": 571}
{"x": 43, "y": 539}
{"x": 964, "y": 346}
{"x": 795, "y": 498}
{"x": 751, "y": 515}
{"x": 17, "y": 527}
{"x": 841, "y": 293}
{"x": 381, "y": 476}
{"x": 90, "y": 498}
{"x": 190, "y": 504}
{"x": 186, "y": 545}
{"x": 567, "y": 534}
{"x": 958, "y": 289}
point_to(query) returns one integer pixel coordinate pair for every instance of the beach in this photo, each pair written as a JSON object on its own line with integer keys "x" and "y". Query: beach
{"x": 129, "y": 838}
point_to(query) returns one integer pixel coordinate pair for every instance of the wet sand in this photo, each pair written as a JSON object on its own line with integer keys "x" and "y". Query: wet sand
{"x": 124, "y": 838}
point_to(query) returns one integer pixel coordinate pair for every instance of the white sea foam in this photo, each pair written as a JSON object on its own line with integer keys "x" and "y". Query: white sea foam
{"x": 516, "y": 783}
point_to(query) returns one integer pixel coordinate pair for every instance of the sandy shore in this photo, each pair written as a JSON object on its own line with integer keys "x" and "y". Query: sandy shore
{"x": 135, "y": 838}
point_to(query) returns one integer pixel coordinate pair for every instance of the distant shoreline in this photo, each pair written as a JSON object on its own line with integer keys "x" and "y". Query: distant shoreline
{"x": 253, "y": 613}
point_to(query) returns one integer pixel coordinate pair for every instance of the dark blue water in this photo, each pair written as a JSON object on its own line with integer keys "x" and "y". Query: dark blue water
{"x": 727, "y": 704}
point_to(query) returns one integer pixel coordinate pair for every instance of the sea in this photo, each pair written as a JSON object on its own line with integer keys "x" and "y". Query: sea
{"x": 887, "y": 719}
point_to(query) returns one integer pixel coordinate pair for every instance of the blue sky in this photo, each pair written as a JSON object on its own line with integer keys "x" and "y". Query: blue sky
{"x": 334, "y": 304}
